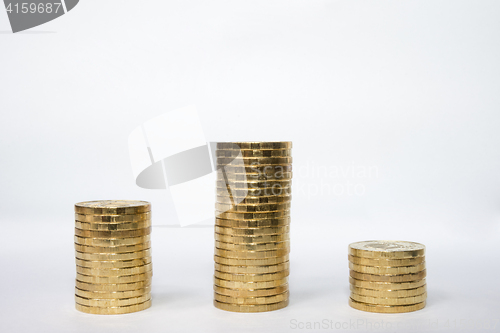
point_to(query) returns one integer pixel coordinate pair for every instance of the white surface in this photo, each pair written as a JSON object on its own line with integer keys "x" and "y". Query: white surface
{"x": 392, "y": 106}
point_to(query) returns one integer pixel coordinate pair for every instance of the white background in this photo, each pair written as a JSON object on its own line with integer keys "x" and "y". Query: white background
{"x": 407, "y": 88}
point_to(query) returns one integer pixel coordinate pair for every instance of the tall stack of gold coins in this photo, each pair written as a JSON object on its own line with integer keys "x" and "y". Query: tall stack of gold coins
{"x": 387, "y": 276}
{"x": 113, "y": 256}
{"x": 252, "y": 239}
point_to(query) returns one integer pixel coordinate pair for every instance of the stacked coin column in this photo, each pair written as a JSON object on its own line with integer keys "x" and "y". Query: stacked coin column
{"x": 113, "y": 256}
{"x": 387, "y": 276}
{"x": 252, "y": 239}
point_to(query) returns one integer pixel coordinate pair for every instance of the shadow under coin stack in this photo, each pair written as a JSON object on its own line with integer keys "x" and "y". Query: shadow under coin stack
{"x": 387, "y": 276}
{"x": 113, "y": 256}
{"x": 252, "y": 239}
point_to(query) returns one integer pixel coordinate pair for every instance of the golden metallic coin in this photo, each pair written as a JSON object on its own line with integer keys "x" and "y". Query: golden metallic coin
{"x": 387, "y": 249}
{"x": 113, "y": 249}
{"x": 389, "y": 293}
{"x": 238, "y": 194}
{"x": 113, "y": 256}
{"x": 227, "y": 199}
{"x": 249, "y": 285}
{"x": 252, "y": 240}
{"x": 112, "y": 226}
{"x": 112, "y": 302}
{"x": 385, "y": 308}
{"x": 251, "y": 262}
{"x": 251, "y": 254}
{"x": 253, "y": 153}
{"x": 387, "y": 270}
{"x": 390, "y": 301}
{"x": 252, "y": 269}
{"x": 251, "y": 293}
{"x": 388, "y": 278}
{"x": 253, "y": 247}
{"x": 252, "y": 277}
{"x": 112, "y": 234}
{"x": 112, "y": 294}
{"x": 254, "y": 184}
{"x": 113, "y": 310}
{"x": 113, "y": 264}
{"x": 252, "y": 177}
{"x": 252, "y": 216}
{"x": 114, "y": 271}
{"x": 242, "y": 224}
{"x": 252, "y": 208}
{"x": 113, "y": 218}
{"x": 112, "y": 287}
{"x": 386, "y": 262}
{"x": 222, "y": 161}
{"x": 114, "y": 279}
{"x": 250, "y": 308}
{"x": 112, "y": 241}
{"x": 252, "y": 232}
{"x": 112, "y": 207}
{"x": 252, "y": 300}
{"x": 255, "y": 145}
{"x": 271, "y": 170}
{"x": 386, "y": 285}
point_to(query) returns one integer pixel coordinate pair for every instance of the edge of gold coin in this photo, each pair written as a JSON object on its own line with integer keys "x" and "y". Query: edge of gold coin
{"x": 104, "y": 226}
{"x": 389, "y": 293}
{"x": 251, "y": 231}
{"x": 245, "y": 277}
{"x": 110, "y": 242}
{"x": 120, "y": 218}
{"x": 114, "y": 271}
{"x": 252, "y": 300}
{"x": 387, "y": 269}
{"x": 386, "y": 285}
{"x": 260, "y": 145}
{"x": 388, "y": 278}
{"x": 250, "y": 308}
{"x": 249, "y": 285}
{"x": 114, "y": 279}
{"x": 251, "y": 292}
{"x": 112, "y": 302}
{"x": 385, "y": 261}
{"x": 113, "y": 310}
{"x": 253, "y": 247}
{"x": 386, "y": 249}
{"x": 113, "y": 256}
{"x": 253, "y": 239}
{"x": 385, "y": 308}
{"x": 251, "y": 262}
{"x": 252, "y": 269}
{"x": 113, "y": 249}
{"x": 112, "y": 207}
{"x": 251, "y": 254}
{"x": 112, "y": 234}
{"x": 112, "y": 287}
{"x": 389, "y": 301}
{"x": 112, "y": 294}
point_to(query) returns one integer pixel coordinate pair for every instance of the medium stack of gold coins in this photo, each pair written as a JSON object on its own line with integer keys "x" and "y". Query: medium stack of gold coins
{"x": 252, "y": 239}
{"x": 113, "y": 256}
{"x": 387, "y": 276}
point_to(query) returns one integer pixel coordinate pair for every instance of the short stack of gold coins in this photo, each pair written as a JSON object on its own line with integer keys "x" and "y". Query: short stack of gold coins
{"x": 252, "y": 227}
{"x": 113, "y": 256}
{"x": 387, "y": 276}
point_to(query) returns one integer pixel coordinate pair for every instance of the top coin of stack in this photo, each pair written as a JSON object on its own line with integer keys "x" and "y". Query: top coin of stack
{"x": 387, "y": 276}
{"x": 113, "y": 256}
{"x": 252, "y": 239}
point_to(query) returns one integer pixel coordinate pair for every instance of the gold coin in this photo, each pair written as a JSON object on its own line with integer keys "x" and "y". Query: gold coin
{"x": 112, "y": 287}
{"x": 385, "y": 308}
{"x": 387, "y": 249}
{"x": 242, "y": 224}
{"x": 112, "y": 226}
{"x": 251, "y": 177}
{"x": 251, "y": 254}
{"x": 253, "y": 153}
{"x": 112, "y": 302}
{"x": 113, "y": 249}
{"x": 390, "y": 301}
{"x": 112, "y": 234}
{"x": 272, "y": 170}
{"x": 251, "y": 293}
{"x": 113, "y": 310}
{"x": 114, "y": 279}
{"x": 227, "y": 199}
{"x": 113, "y": 256}
{"x": 252, "y": 277}
{"x": 250, "y": 308}
{"x": 255, "y": 145}
{"x": 252, "y": 208}
{"x": 255, "y": 184}
{"x": 112, "y": 207}
{"x": 113, "y": 218}
{"x": 238, "y": 194}
{"x": 249, "y": 285}
{"x": 250, "y": 262}
{"x": 387, "y": 270}
{"x": 389, "y": 293}
{"x": 252, "y": 216}
{"x": 252, "y": 300}
{"x": 252, "y": 240}
{"x": 253, "y": 160}
{"x": 112, "y": 241}
{"x": 113, "y": 294}
{"x": 252, "y": 232}
{"x": 113, "y": 264}
{"x": 114, "y": 271}
{"x": 253, "y": 247}
{"x": 252, "y": 269}
{"x": 386, "y": 285}
{"x": 388, "y": 278}
{"x": 386, "y": 262}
